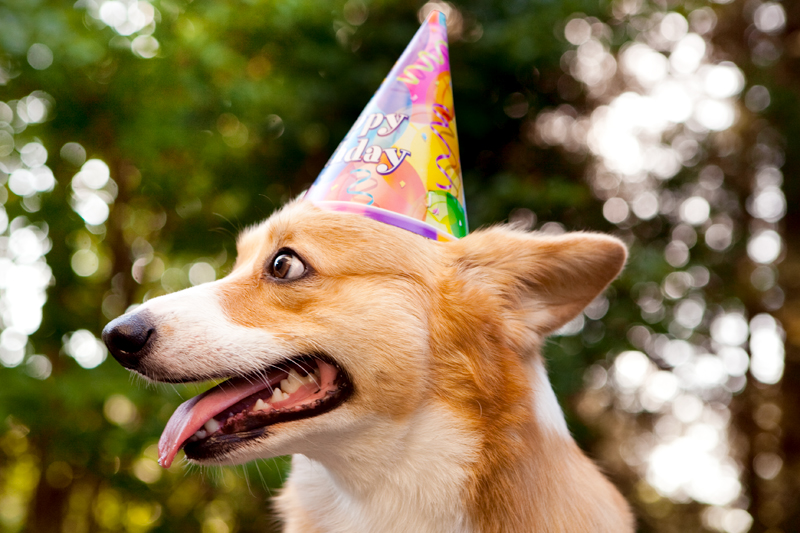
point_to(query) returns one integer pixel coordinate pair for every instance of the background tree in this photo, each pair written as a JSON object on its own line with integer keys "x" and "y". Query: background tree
{"x": 137, "y": 138}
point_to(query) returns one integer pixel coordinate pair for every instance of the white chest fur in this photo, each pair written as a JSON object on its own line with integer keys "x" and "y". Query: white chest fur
{"x": 408, "y": 479}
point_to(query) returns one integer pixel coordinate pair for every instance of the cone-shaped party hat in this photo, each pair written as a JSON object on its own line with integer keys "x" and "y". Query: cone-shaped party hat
{"x": 399, "y": 163}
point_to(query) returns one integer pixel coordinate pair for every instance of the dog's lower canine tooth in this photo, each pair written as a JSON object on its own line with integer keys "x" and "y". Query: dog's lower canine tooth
{"x": 260, "y": 405}
{"x": 277, "y": 395}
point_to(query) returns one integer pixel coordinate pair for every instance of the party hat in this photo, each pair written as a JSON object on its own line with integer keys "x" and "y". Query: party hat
{"x": 399, "y": 164}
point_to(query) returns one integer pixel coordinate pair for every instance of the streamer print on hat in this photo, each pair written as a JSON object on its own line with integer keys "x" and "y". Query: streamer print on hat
{"x": 399, "y": 163}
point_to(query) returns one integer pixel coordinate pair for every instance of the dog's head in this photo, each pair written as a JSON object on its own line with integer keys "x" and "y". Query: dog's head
{"x": 332, "y": 322}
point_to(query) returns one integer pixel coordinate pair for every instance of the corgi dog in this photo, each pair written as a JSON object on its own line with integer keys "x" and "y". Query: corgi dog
{"x": 404, "y": 375}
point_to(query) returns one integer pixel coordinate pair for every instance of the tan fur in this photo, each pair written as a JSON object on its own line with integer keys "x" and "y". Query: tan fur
{"x": 526, "y": 479}
{"x": 433, "y": 335}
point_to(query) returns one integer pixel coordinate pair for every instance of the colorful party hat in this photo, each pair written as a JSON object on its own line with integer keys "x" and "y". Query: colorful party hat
{"x": 399, "y": 164}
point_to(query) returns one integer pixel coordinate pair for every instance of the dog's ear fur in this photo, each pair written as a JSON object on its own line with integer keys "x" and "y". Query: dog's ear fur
{"x": 550, "y": 278}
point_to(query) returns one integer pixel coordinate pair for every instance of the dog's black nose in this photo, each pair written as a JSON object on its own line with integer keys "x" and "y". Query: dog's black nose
{"x": 128, "y": 338}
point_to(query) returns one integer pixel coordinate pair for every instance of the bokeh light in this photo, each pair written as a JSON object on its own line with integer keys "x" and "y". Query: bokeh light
{"x": 93, "y": 191}
{"x": 766, "y": 349}
{"x": 119, "y": 410}
{"x": 770, "y": 17}
{"x": 40, "y": 56}
{"x": 201, "y": 272}
{"x": 125, "y": 17}
{"x": 85, "y": 348}
{"x": 765, "y": 246}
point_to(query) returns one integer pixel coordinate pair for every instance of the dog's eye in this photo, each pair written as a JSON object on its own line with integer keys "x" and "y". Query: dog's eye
{"x": 287, "y": 266}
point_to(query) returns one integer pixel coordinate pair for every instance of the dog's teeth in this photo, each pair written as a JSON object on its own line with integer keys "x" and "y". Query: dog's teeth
{"x": 260, "y": 405}
{"x": 211, "y": 426}
{"x": 201, "y": 434}
{"x": 277, "y": 395}
{"x": 296, "y": 380}
{"x": 291, "y": 383}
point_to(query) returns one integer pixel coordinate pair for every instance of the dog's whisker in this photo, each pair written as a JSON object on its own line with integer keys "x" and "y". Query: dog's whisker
{"x": 180, "y": 395}
{"x": 309, "y": 373}
{"x": 264, "y": 378}
{"x": 226, "y": 219}
{"x": 247, "y": 480}
{"x": 279, "y": 470}
{"x": 264, "y": 483}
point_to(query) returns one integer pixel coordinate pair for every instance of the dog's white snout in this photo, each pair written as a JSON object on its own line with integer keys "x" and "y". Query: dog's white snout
{"x": 129, "y": 338}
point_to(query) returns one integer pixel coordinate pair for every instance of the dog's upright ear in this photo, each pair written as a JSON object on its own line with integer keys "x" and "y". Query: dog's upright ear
{"x": 549, "y": 278}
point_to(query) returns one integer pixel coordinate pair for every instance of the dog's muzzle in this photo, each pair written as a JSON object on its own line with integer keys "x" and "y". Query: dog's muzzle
{"x": 129, "y": 338}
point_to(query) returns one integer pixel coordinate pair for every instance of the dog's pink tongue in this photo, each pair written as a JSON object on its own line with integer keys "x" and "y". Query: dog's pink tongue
{"x": 192, "y": 414}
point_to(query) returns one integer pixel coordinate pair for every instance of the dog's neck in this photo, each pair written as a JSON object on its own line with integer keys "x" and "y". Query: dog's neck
{"x": 413, "y": 476}
{"x": 390, "y": 477}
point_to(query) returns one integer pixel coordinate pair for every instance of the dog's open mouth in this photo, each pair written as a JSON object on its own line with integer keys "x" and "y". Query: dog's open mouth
{"x": 242, "y": 408}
